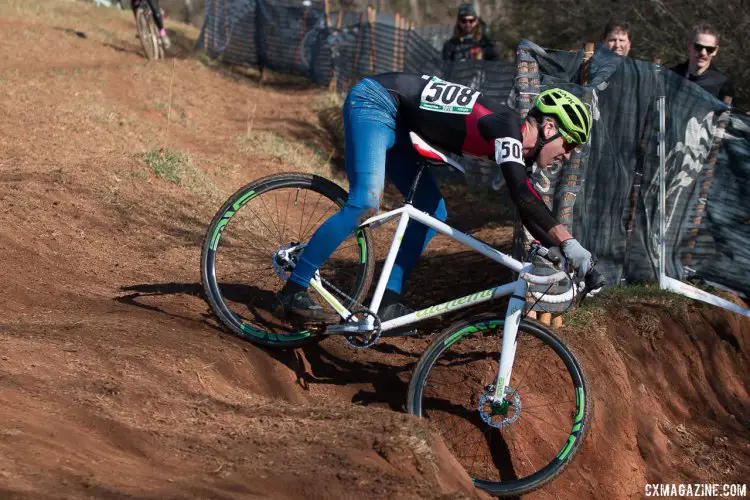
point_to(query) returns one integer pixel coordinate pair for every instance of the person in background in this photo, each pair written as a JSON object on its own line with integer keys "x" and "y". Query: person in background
{"x": 469, "y": 40}
{"x": 703, "y": 45}
{"x": 617, "y": 37}
{"x": 157, "y": 12}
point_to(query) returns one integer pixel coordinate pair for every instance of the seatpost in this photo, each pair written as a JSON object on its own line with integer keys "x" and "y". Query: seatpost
{"x": 410, "y": 199}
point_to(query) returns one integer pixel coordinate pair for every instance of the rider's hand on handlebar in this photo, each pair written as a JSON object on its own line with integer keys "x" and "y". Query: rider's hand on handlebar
{"x": 578, "y": 256}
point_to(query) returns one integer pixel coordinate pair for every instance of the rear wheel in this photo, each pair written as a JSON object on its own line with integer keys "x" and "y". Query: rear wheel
{"x": 517, "y": 445}
{"x": 253, "y": 243}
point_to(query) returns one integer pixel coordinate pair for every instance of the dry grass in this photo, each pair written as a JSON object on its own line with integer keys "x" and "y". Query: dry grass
{"x": 600, "y": 308}
{"x": 298, "y": 155}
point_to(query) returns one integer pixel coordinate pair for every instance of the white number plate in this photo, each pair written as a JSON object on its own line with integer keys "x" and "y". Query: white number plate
{"x": 448, "y": 97}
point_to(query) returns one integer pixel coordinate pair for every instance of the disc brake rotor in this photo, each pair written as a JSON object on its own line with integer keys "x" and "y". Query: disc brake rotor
{"x": 502, "y": 413}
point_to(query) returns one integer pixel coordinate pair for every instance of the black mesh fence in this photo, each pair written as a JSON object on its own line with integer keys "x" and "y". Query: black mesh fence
{"x": 298, "y": 38}
{"x": 607, "y": 194}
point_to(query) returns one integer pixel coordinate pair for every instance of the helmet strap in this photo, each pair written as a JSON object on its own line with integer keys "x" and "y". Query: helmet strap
{"x": 540, "y": 143}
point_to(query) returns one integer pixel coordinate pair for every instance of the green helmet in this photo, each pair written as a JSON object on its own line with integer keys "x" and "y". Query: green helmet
{"x": 574, "y": 118}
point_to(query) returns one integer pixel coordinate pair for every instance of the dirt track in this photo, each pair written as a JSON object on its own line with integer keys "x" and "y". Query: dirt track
{"x": 116, "y": 381}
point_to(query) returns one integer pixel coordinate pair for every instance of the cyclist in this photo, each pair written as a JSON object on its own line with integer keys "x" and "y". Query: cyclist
{"x": 379, "y": 113}
{"x": 154, "y": 5}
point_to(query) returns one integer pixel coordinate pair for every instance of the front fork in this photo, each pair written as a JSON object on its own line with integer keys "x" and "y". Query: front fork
{"x": 510, "y": 333}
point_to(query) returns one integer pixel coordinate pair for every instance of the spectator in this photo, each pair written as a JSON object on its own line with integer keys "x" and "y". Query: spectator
{"x": 469, "y": 40}
{"x": 617, "y": 37}
{"x": 703, "y": 45}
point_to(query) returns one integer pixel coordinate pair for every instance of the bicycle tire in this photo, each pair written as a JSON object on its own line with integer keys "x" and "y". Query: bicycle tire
{"x": 492, "y": 327}
{"x": 148, "y": 34}
{"x": 365, "y": 268}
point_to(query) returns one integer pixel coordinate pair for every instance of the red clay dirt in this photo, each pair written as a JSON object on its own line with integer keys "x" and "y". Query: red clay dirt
{"x": 115, "y": 379}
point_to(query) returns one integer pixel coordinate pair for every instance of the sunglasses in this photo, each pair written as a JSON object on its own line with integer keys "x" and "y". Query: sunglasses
{"x": 709, "y": 49}
{"x": 569, "y": 144}
{"x": 468, "y": 20}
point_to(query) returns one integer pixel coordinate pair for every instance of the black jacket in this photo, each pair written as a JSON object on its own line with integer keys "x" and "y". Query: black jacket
{"x": 712, "y": 81}
{"x": 466, "y": 48}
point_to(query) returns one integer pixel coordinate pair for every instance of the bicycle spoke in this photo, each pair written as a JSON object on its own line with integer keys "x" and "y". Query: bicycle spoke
{"x": 286, "y": 213}
{"x": 564, "y": 431}
{"x": 240, "y": 274}
{"x": 512, "y": 433}
{"x": 519, "y": 442}
{"x": 301, "y": 233}
{"x": 302, "y": 216}
{"x": 273, "y": 223}
{"x": 315, "y": 224}
{"x": 557, "y": 403}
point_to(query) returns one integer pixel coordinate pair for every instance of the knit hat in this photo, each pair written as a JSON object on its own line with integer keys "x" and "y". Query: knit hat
{"x": 466, "y": 10}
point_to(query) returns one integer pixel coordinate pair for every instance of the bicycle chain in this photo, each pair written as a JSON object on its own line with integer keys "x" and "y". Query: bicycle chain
{"x": 351, "y": 340}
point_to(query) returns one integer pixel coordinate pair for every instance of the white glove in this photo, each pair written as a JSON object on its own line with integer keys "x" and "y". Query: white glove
{"x": 578, "y": 256}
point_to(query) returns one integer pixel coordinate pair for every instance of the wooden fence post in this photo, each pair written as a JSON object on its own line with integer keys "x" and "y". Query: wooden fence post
{"x": 371, "y": 16}
{"x": 708, "y": 172}
{"x": 405, "y": 47}
{"x": 588, "y": 53}
{"x": 396, "y": 40}
{"x": 334, "y": 72}
{"x": 555, "y": 319}
{"x": 354, "y": 76}
{"x": 206, "y": 30}
{"x": 301, "y": 36}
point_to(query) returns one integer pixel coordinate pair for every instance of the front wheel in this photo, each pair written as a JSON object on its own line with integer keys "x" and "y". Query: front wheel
{"x": 253, "y": 243}
{"x": 148, "y": 34}
{"x": 516, "y": 446}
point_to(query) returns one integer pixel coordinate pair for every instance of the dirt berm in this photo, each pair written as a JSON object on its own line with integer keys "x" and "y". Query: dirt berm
{"x": 116, "y": 381}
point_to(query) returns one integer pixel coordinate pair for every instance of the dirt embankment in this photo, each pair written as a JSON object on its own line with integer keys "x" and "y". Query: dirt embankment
{"x": 116, "y": 381}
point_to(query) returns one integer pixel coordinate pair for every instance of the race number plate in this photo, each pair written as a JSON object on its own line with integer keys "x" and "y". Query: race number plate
{"x": 448, "y": 97}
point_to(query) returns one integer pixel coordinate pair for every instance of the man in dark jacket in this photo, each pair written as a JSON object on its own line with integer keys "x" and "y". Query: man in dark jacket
{"x": 468, "y": 42}
{"x": 703, "y": 45}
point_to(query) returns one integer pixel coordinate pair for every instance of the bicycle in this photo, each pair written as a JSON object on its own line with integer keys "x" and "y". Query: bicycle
{"x": 460, "y": 383}
{"x": 148, "y": 32}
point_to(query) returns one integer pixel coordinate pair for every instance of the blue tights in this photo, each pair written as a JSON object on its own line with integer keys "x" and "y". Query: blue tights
{"x": 376, "y": 145}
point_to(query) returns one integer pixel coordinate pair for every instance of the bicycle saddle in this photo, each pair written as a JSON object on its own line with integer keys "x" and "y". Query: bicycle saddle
{"x": 432, "y": 154}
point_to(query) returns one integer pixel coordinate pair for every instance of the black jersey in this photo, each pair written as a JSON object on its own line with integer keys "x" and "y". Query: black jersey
{"x": 712, "y": 81}
{"x": 453, "y": 117}
{"x": 461, "y": 120}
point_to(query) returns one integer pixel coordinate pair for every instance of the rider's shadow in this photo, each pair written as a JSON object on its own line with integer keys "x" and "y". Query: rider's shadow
{"x": 314, "y": 364}
{"x": 141, "y": 291}
{"x": 385, "y": 383}
{"x": 235, "y": 292}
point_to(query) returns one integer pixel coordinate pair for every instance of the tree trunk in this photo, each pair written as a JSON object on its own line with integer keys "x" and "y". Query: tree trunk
{"x": 188, "y": 11}
{"x": 414, "y": 11}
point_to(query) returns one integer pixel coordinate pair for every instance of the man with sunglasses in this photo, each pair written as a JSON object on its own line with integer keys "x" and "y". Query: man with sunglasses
{"x": 469, "y": 41}
{"x": 703, "y": 45}
{"x": 379, "y": 113}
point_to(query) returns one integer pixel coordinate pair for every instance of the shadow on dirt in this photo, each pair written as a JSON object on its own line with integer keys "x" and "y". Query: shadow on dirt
{"x": 380, "y": 383}
{"x": 141, "y": 291}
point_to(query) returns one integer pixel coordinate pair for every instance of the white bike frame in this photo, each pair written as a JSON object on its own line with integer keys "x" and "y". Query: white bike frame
{"x": 517, "y": 289}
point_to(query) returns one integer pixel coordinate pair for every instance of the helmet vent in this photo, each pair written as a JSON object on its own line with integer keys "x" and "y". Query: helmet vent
{"x": 586, "y": 123}
{"x": 572, "y": 115}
